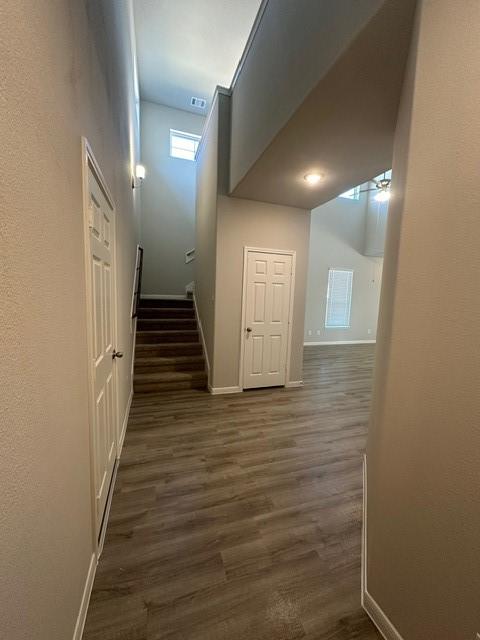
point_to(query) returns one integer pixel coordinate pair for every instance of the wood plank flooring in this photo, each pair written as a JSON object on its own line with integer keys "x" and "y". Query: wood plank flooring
{"x": 239, "y": 517}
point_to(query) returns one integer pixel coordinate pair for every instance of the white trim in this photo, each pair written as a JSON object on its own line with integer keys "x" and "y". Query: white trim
{"x": 293, "y": 383}
{"x": 161, "y": 296}
{"x": 218, "y": 90}
{"x": 248, "y": 45}
{"x": 87, "y": 590}
{"x": 324, "y": 344}
{"x": 370, "y": 605}
{"x": 202, "y": 337}
{"x": 121, "y": 439}
{"x": 89, "y": 162}
{"x": 287, "y": 252}
{"x": 134, "y": 346}
{"x": 106, "y": 513}
{"x": 218, "y": 391}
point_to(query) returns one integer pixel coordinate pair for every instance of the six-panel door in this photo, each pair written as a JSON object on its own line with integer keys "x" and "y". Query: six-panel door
{"x": 267, "y": 307}
{"x": 102, "y": 234}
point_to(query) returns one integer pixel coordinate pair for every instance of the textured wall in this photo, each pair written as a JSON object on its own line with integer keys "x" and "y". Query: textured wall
{"x": 66, "y": 72}
{"x": 246, "y": 223}
{"x": 168, "y": 201}
{"x": 344, "y": 128}
{"x": 337, "y": 238}
{"x": 424, "y": 440}
{"x": 271, "y": 86}
{"x": 206, "y": 227}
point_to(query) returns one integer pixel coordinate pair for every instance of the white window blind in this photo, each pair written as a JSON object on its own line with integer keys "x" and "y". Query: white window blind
{"x": 339, "y": 298}
{"x": 183, "y": 145}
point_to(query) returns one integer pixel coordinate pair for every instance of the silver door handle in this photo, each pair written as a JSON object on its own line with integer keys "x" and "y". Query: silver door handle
{"x": 117, "y": 354}
{"x": 249, "y": 329}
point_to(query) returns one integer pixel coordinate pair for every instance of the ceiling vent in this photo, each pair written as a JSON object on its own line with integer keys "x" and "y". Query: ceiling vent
{"x": 200, "y": 103}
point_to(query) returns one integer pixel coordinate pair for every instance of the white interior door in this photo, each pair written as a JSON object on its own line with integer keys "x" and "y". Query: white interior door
{"x": 266, "y": 314}
{"x": 102, "y": 239}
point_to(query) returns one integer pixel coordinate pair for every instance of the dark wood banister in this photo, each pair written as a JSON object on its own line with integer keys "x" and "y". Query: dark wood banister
{"x": 138, "y": 281}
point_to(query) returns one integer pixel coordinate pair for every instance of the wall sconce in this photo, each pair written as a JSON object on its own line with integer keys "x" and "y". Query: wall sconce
{"x": 139, "y": 176}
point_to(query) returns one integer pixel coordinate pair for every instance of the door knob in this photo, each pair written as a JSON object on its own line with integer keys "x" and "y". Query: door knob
{"x": 117, "y": 354}
{"x": 249, "y": 329}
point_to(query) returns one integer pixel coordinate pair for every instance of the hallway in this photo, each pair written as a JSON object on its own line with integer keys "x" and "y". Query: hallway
{"x": 239, "y": 516}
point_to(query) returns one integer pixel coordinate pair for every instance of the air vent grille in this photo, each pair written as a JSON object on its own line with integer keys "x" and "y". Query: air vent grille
{"x": 200, "y": 103}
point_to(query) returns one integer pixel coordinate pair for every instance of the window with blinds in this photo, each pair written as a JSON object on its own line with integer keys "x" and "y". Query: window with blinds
{"x": 339, "y": 299}
{"x": 183, "y": 145}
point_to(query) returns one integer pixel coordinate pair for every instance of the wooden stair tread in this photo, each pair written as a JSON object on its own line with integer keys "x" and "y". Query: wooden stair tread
{"x": 162, "y": 360}
{"x": 167, "y": 303}
{"x": 170, "y": 345}
{"x": 167, "y": 331}
{"x": 169, "y": 376}
{"x": 178, "y": 321}
{"x": 169, "y": 309}
{"x": 168, "y": 351}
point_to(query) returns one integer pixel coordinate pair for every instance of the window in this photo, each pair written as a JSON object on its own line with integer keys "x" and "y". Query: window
{"x": 339, "y": 299}
{"x": 183, "y": 145}
{"x": 351, "y": 194}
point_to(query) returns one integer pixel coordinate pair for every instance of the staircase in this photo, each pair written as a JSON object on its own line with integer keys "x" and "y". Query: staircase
{"x": 168, "y": 352}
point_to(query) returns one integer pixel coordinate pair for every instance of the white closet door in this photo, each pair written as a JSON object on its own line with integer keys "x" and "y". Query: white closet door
{"x": 267, "y": 310}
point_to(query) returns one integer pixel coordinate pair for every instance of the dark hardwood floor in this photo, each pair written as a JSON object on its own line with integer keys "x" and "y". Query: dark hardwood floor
{"x": 239, "y": 517}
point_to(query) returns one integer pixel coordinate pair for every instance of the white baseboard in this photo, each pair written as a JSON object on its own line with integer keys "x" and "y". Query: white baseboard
{"x": 293, "y": 383}
{"x": 202, "y": 337}
{"x": 124, "y": 424}
{"x": 324, "y": 344}
{"x": 87, "y": 590}
{"x": 379, "y": 618}
{"x": 161, "y": 296}
{"x": 370, "y": 605}
{"x": 218, "y": 391}
{"x": 106, "y": 515}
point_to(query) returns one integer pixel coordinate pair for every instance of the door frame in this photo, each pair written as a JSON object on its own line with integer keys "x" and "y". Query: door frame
{"x": 89, "y": 162}
{"x": 287, "y": 252}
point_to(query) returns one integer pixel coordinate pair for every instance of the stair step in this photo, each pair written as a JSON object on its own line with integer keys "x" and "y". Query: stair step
{"x": 160, "y": 337}
{"x": 165, "y": 303}
{"x": 169, "y": 381}
{"x": 180, "y": 363}
{"x": 154, "y": 324}
{"x": 168, "y": 349}
{"x": 165, "y": 312}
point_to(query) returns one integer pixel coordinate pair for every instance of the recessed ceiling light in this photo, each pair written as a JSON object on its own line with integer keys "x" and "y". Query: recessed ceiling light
{"x": 312, "y": 178}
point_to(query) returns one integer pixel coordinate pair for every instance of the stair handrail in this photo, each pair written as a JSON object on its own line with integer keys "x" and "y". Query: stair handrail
{"x": 137, "y": 281}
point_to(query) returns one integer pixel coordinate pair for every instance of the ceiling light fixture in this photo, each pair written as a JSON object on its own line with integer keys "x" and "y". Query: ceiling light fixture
{"x": 383, "y": 188}
{"x": 383, "y": 196}
{"x": 139, "y": 176}
{"x": 312, "y": 178}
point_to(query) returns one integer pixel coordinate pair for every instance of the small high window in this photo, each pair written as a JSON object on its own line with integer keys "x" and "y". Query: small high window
{"x": 339, "y": 299}
{"x": 183, "y": 145}
{"x": 351, "y": 194}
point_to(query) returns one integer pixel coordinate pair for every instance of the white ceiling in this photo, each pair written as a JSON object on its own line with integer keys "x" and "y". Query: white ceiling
{"x": 186, "y": 48}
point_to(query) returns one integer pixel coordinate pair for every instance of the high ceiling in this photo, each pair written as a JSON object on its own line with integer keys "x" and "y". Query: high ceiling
{"x": 187, "y": 47}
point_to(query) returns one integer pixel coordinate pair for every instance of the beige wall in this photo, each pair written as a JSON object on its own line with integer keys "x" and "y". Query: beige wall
{"x": 248, "y": 223}
{"x": 168, "y": 201}
{"x": 224, "y": 227}
{"x": 270, "y": 86}
{"x": 206, "y": 228}
{"x": 344, "y": 127}
{"x": 337, "y": 240}
{"x": 66, "y": 72}
{"x": 423, "y": 462}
